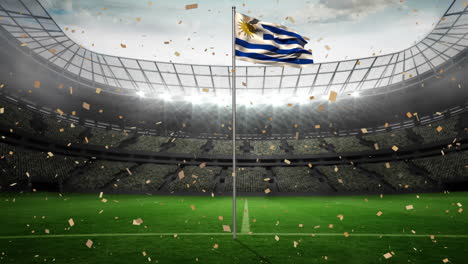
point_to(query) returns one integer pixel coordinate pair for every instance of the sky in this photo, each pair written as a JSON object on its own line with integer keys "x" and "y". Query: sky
{"x": 164, "y": 30}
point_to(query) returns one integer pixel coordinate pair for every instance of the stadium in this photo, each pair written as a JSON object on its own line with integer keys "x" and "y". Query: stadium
{"x": 117, "y": 159}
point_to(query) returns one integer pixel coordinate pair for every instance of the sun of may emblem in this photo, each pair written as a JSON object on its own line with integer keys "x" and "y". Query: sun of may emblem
{"x": 247, "y": 28}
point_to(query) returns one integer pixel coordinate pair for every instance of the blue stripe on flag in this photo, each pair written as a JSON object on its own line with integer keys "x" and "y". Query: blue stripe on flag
{"x": 262, "y": 57}
{"x": 282, "y": 41}
{"x": 283, "y": 32}
{"x": 271, "y": 48}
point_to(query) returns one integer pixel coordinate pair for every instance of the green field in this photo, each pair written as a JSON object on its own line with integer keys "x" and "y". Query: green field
{"x": 185, "y": 229}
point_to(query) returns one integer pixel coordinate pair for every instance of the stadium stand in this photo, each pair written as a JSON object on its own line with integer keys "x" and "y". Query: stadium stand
{"x": 451, "y": 167}
{"x": 266, "y": 147}
{"x": 401, "y": 177}
{"x": 20, "y": 167}
{"x": 389, "y": 139}
{"x": 347, "y": 178}
{"x": 146, "y": 178}
{"x": 184, "y": 145}
{"x": 97, "y": 175}
{"x": 298, "y": 179}
{"x": 346, "y": 144}
{"x": 307, "y": 146}
{"x": 438, "y": 131}
{"x": 147, "y": 143}
{"x": 195, "y": 179}
{"x": 248, "y": 180}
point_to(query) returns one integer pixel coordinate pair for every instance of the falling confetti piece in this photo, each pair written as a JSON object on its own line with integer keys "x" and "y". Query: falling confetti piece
{"x": 276, "y": 238}
{"x": 137, "y": 222}
{"x": 193, "y": 207}
{"x": 226, "y": 228}
{"x": 37, "y": 84}
{"x": 71, "y": 222}
{"x": 192, "y": 6}
{"x": 409, "y": 207}
{"x": 387, "y": 255}
{"x": 89, "y": 243}
{"x": 379, "y": 213}
{"x": 123, "y": 46}
{"x": 86, "y": 106}
{"x": 395, "y": 148}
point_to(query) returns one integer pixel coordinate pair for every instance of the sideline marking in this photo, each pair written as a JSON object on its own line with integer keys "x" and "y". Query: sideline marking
{"x": 229, "y": 234}
{"x": 245, "y": 219}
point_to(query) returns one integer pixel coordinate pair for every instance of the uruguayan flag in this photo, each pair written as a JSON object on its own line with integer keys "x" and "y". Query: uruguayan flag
{"x": 268, "y": 43}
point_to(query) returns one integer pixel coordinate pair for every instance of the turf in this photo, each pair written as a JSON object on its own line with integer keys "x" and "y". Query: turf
{"x": 185, "y": 229}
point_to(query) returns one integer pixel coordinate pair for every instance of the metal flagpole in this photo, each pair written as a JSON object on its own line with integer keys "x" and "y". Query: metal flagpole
{"x": 234, "y": 172}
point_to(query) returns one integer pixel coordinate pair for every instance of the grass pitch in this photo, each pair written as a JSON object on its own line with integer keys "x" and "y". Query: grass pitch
{"x": 35, "y": 228}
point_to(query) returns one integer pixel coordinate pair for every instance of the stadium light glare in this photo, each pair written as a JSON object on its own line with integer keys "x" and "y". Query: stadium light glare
{"x": 140, "y": 94}
{"x": 166, "y": 97}
{"x": 355, "y": 94}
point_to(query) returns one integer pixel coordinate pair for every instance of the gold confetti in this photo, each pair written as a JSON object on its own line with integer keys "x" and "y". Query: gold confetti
{"x": 276, "y": 238}
{"x": 192, "y": 6}
{"x": 409, "y": 207}
{"x": 37, "y": 84}
{"x": 89, "y": 243}
{"x": 387, "y": 255}
{"x": 226, "y": 228}
{"x": 71, "y": 222}
{"x": 215, "y": 246}
{"x": 123, "y": 46}
{"x": 395, "y": 148}
{"x": 202, "y": 165}
{"x": 137, "y": 222}
{"x": 181, "y": 175}
{"x": 332, "y": 97}
{"x": 439, "y": 129}
{"x": 379, "y": 213}
{"x": 287, "y": 161}
{"x": 86, "y": 106}
{"x": 193, "y": 207}
{"x": 98, "y": 90}
{"x": 267, "y": 191}
{"x": 364, "y": 130}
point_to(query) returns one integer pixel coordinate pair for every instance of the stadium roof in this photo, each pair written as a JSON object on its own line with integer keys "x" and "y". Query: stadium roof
{"x": 39, "y": 34}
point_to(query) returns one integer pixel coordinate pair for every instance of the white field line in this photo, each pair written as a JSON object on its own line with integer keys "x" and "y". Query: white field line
{"x": 229, "y": 234}
{"x": 245, "y": 219}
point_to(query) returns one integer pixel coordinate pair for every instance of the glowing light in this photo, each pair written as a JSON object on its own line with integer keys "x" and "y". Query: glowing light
{"x": 355, "y": 94}
{"x": 140, "y": 94}
{"x": 166, "y": 97}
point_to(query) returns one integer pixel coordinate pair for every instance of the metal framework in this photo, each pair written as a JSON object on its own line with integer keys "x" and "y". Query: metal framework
{"x": 37, "y": 32}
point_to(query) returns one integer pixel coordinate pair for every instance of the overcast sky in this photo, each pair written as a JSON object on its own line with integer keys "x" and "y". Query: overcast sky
{"x": 350, "y": 28}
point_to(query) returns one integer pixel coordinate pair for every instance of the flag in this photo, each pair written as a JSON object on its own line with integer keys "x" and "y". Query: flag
{"x": 268, "y": 43}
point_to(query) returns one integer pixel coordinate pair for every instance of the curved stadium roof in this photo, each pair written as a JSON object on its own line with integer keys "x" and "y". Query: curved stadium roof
{"x": 38, "y": 34}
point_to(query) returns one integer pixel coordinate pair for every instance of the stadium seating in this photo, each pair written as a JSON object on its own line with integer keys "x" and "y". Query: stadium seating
{"x": 386, "y": 140}
{"x": 195, "y": 179}
{"x": 347, "y": 178}
{"x": 346, "y": 144}
{"x": 266, "y": 147}
{"x": 97, "y": 175}
{"x": 400, "y": 176}
{"x": 146, "y": 178}
{"x": 248, "y": 180}
{"x": 19, "y": 166}
{"x": 184, "y": 145}
{"x": 297, "y": 179}
{"x": 449, "y": 167}
{"x": 107, "y": 138}
{"x": 148, "y": 143}
{"x": 15, "y": 117}
{"x": 62, "y": 130}
{"x": 224, "y": 147}
{"x": 307, "y": 146}
{"x": 431, "y": 134}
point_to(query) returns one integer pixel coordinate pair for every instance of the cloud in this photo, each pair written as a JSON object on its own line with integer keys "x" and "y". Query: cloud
{"x": 330, "y": 11}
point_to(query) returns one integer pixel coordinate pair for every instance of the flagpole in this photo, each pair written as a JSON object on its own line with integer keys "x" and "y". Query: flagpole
{"x": 233, "y": 74}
